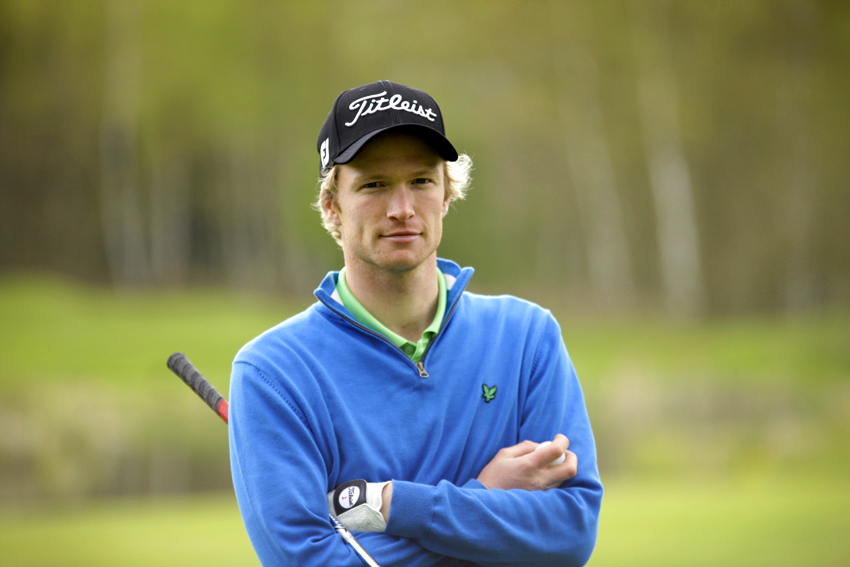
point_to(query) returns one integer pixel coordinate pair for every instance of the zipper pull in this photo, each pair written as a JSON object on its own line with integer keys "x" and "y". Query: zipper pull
{"x": 422, "y": 372}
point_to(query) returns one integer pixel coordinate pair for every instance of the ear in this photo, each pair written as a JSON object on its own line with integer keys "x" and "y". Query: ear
{"x": 445, "y": 207}
{"x": 331, "y": 211}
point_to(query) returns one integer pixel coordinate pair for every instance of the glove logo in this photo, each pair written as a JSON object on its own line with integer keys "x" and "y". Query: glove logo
{"x": 349, "y": 496}
{"x": 489, "y": 393}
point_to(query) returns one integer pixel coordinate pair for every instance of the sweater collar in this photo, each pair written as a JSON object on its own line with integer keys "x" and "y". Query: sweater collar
{"x": 456, "y": 280}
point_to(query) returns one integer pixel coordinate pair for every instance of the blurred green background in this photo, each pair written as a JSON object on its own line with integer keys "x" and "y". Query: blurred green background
{"x": 669, "y": 177}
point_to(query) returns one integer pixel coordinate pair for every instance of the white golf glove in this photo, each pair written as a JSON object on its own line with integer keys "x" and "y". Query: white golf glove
{"x": 357, "y": 505}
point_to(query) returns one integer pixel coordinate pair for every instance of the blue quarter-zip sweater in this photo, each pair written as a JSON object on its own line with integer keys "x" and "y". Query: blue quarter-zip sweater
{"x": 319, "y": 400}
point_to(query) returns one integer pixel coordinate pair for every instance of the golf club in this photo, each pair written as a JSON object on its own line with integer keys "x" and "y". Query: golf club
{"x": 180, "y": 365}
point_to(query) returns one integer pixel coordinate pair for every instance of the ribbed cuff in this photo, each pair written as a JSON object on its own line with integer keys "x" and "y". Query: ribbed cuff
{"x": 474, "y": 483}
{"x": 411, "y": 510}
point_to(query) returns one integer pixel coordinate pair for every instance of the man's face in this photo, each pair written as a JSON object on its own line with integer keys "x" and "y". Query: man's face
{"x": 390, "y": 203}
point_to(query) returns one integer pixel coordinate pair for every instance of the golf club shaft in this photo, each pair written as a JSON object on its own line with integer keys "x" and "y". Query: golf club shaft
{"x": 347, "y": 536}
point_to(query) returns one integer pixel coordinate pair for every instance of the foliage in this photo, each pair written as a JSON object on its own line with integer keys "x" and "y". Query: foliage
{"x": 149, "y": 143}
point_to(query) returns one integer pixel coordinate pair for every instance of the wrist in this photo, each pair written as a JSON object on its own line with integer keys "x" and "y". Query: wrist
{"x": 386, "y": 498}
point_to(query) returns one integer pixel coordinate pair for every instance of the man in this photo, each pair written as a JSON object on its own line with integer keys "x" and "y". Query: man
{"x": 411, "y": 408}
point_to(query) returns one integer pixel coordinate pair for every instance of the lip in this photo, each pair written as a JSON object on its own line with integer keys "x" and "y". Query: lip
{"x": 401, "y": 236}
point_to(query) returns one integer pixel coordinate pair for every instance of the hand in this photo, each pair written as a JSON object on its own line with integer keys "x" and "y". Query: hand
{"x": 522, "y": 467}
{"x": 360, "y": 505}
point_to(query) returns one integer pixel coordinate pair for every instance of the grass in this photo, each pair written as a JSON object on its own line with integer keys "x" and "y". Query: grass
{"x": 771, "y": 523}
{"x": 790, "y": 522}
{"x": 83, "y": 385}
{"x": 179, "y": 531}
{"x": 54, "y": 330}
{"x": 811, "y": 349}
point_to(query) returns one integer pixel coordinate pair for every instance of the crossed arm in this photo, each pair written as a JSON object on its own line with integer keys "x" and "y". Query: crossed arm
{"x": 511, "y": 513}
{"x": 511, "y": 510}
{"x": 521, "y": 466}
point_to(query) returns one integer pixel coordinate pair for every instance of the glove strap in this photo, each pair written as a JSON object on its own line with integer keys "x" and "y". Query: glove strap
{"x": 349, "y": 495}
{"x": 357, "y": 505}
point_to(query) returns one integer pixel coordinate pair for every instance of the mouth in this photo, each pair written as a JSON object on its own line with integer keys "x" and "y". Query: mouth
{"x": 401, "y": 236}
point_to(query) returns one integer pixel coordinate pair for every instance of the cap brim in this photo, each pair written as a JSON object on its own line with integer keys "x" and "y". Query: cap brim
{"x": 432, "y": 137}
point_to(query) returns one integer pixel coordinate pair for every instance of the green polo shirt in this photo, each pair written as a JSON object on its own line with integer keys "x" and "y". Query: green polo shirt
{"x": 413, "y": 350}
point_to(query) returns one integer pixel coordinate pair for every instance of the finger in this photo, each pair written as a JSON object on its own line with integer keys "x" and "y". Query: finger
{"x": 568, "y": 469}
{"x": 545, "y": 455}
{"x": 519, "y": 449}
{"x": 562, "y": 441}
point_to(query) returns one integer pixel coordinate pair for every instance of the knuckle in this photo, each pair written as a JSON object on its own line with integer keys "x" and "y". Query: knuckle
{"x": 572, "y": 465}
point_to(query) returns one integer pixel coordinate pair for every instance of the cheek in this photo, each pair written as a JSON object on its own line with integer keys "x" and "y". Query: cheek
{"x": 362, "y": 218}
{"x": 437, "y": 227}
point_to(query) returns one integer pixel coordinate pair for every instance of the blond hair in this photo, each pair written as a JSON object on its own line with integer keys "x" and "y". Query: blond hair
{"x": 457, "y": 180}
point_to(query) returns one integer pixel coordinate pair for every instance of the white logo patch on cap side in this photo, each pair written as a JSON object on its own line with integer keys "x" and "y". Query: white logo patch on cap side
{"x": 324, "y": 151}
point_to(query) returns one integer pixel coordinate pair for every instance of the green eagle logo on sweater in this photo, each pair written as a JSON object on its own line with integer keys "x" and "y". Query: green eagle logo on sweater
{"x": 489, "y": 393}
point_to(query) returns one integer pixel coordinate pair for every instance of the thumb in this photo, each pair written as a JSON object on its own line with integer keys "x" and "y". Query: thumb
{"x": 374, "y": 492}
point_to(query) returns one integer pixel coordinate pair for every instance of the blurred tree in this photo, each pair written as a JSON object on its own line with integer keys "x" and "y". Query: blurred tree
{"x": 170, "y": 220}
{"x": 692, "y": 154}
{"x": 122, "y": 195}
{"x": 794, "y": 127}
{"x": 50, "y": 93}
{"x": 588, "y": 158}
{"x": 669, "y": 173}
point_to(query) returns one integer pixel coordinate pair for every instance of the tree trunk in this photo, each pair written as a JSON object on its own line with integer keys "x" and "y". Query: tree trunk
{"x": 121, "y": 211}
{"x": 669, "y": 174}
{"x": 794, "y": 127}
{"x": 170, "y": 221}
{"x": 249, "y": 219}
{"x": 589, "y": 161}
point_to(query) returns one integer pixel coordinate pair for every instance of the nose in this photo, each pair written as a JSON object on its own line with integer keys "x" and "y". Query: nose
{"x": 400, "y": 206}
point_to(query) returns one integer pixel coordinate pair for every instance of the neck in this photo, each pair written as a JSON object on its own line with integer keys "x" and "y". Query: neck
{"x": 406, "y": 302}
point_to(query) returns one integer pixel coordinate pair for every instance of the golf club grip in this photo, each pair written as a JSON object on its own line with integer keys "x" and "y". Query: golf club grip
{"x": 180, "y": 365}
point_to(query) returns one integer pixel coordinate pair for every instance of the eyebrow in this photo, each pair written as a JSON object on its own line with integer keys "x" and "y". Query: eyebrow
{"x": 360, "y": 178}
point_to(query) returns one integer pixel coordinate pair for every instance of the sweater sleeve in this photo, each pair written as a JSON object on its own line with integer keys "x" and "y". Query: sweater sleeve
{"x": 517, "y": 527}
{"x": 280, "y": 477}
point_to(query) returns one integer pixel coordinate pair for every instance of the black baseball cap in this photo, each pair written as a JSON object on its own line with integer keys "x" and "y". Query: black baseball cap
{"x": 361, "y": 113}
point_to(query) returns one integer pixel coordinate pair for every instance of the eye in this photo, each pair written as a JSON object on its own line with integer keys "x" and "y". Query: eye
{"x": 421, "y": 180}
{"x": 372, "y": 185}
